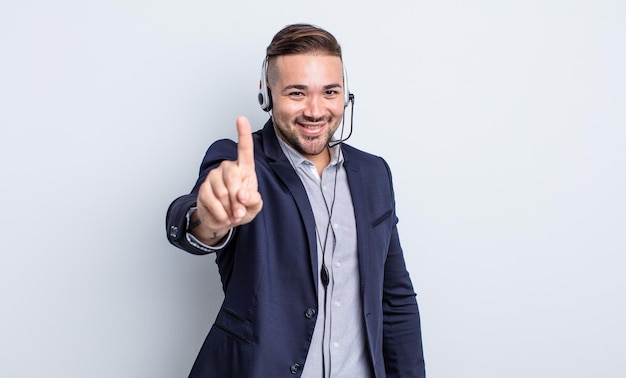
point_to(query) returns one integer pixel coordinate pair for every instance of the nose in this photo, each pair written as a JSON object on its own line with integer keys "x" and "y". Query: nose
{"x": 314, "y": 108}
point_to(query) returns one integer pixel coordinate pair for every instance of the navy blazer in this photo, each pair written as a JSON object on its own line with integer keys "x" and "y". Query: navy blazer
{"x": 269, "y": 271}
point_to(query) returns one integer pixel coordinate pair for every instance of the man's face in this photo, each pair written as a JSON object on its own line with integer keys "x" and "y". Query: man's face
{"x": 307, "y": 100}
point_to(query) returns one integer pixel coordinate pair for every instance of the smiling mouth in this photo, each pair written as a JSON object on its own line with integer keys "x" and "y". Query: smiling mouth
{"x": 311, "y": 127}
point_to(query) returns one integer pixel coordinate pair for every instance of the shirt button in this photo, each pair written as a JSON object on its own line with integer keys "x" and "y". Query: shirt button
{"x": 336, "y": 344}
{"x": 310, "y": 313}
{"x": 294, "y": 369}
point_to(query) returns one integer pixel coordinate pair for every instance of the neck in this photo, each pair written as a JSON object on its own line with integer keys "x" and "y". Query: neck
{"x": 320, "y": 160}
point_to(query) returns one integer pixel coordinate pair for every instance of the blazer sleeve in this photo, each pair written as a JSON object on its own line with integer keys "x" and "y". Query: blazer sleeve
{"x": 176, "y": 217}
{"x": 402, "y": 339}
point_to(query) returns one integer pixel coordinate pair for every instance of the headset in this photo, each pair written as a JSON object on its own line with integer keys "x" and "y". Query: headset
{"x": 265, "y": 96}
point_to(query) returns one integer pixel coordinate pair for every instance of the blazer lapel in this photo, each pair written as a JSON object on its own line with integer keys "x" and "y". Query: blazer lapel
{"x": 285, "y": 172}
{"x": 356, "y": 181}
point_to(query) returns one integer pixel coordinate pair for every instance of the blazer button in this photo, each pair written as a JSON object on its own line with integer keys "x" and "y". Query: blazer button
{"x": 310, "y": 313}
{"x": 295, "y": 368}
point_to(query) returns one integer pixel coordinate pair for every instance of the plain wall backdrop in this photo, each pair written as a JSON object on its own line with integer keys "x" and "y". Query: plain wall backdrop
{"x": 504, "y": 123}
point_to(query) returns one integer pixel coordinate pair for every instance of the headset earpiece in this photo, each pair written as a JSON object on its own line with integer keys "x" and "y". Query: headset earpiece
{"x": 265, "y": 97}
{"x": 347, "y": 96}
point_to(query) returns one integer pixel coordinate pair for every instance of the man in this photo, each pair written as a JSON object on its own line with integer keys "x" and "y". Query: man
{"x": 304, "y": 232}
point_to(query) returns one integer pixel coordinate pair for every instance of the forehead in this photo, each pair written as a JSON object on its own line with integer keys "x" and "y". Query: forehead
{"x": 313, "y": 68}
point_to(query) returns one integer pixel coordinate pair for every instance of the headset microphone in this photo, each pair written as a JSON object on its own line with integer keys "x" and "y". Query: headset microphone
{"x": 343, "y": 122}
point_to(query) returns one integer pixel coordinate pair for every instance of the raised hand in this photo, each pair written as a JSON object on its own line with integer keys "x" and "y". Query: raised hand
{"x": 229, "y": 196}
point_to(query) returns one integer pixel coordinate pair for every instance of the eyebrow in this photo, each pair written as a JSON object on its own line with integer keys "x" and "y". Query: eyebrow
{"x": 304, "y": 87}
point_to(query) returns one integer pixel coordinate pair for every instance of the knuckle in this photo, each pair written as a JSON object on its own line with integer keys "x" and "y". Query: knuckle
{"x": 220, "y": 193}
{"x": 216, "y": 210}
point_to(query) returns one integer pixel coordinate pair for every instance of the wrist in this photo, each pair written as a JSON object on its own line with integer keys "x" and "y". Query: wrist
{"x": 202, "y": 232}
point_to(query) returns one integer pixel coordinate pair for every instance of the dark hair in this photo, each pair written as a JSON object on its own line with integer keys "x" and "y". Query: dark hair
{"x": 301, "y": 39}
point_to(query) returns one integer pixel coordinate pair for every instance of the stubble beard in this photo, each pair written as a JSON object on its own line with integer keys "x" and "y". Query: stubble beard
{"x": 307, "y": 145}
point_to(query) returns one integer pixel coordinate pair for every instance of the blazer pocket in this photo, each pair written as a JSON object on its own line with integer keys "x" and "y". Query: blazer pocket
{"x": 234, "y": 325}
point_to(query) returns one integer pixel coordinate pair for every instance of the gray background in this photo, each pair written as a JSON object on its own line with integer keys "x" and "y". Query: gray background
{"x": 504, "y": 123}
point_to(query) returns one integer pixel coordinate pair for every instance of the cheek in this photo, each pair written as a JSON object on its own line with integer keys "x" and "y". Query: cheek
{"x": 287, "y": 108}
{"x": 337, "y": 108}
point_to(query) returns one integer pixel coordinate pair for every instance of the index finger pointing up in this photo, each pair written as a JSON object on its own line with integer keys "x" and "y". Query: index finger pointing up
{"x": 245, "y": 147}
